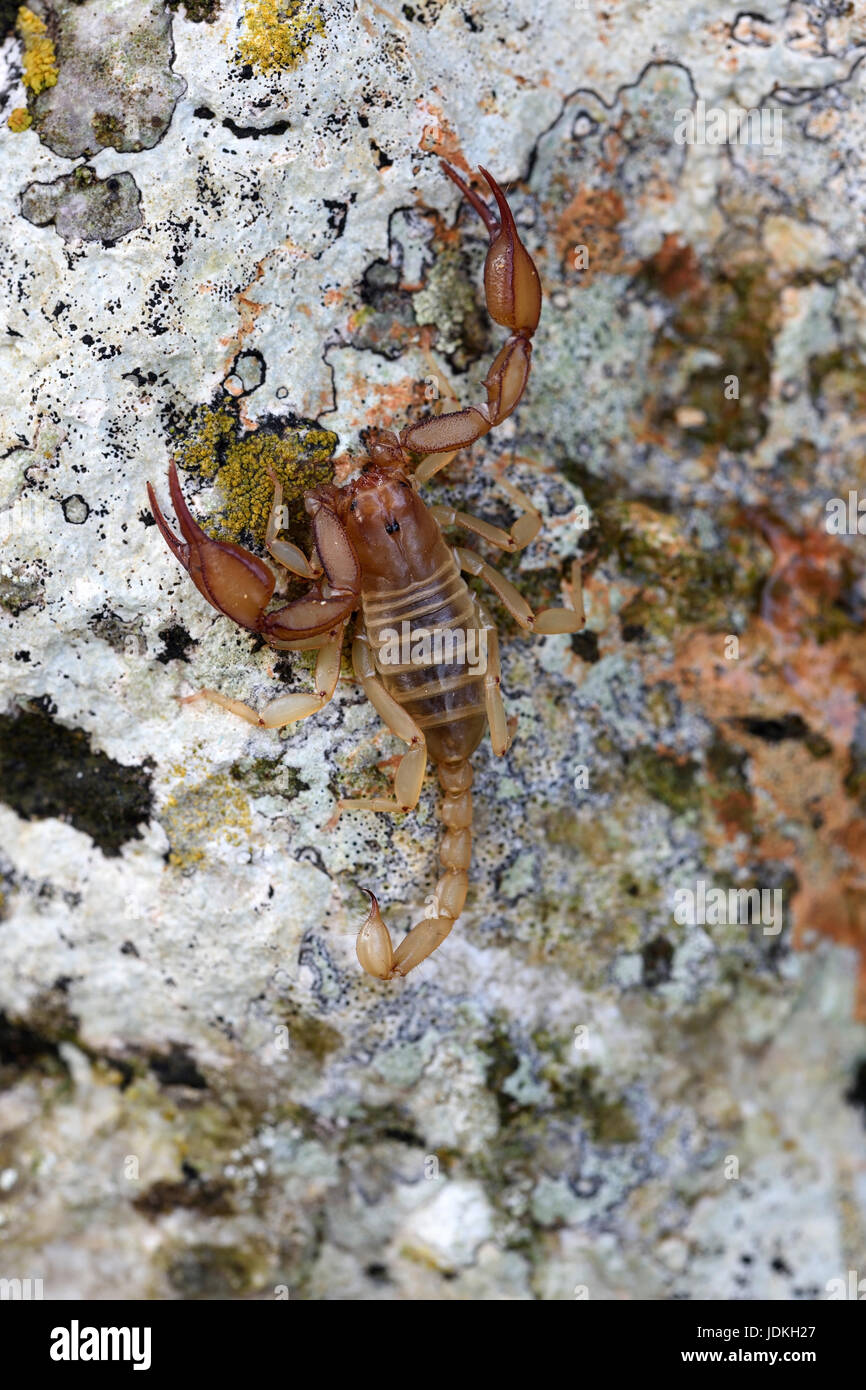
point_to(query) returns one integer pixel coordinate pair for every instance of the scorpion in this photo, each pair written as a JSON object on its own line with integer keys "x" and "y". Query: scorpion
{"x": 378, "y": 547}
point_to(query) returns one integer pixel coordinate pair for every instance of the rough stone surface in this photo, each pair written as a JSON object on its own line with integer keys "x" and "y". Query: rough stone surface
{"x": 580, "y": 1094}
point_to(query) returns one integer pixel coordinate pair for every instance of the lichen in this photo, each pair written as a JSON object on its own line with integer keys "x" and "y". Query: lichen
{"x": 40, "y": 58}
{"x": 19, "y": 119}
{"x": 196, "y": 813}
{"x": 278, "y": 33}
{"x": 114, "y": 84}
{"x": 212, "y": 444}
{"x": 81, "y": 206}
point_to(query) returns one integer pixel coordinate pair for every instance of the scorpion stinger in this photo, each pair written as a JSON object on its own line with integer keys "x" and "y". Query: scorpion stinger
{"x": 425, "y": 649}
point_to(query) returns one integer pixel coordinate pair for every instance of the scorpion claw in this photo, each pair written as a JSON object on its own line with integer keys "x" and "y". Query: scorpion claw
{"x": 511, "y": 281}
{"x": 232, "y": 579}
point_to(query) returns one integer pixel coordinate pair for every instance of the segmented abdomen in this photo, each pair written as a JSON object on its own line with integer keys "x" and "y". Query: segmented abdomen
{"x": 437, "y": 678}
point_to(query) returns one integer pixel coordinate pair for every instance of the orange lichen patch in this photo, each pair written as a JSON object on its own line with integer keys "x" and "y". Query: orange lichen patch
{"x": 790, "y": 701}
{"x": 19, "y": 119}
{"x": 591, "y": 219}
{"x": 382, "y": 403}
{"x": 675, "y": 268}
{"x": 250, "y": 308}
{"x": 439, "y": 137}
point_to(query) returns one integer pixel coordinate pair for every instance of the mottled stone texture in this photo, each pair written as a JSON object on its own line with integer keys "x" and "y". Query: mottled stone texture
{"x": 581, "y": 1094}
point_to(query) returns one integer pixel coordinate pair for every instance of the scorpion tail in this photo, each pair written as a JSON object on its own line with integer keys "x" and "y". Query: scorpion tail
{"x": 374, "y": 947}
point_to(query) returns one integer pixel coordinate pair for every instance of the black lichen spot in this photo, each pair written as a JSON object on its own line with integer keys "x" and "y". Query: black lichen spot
{"x": 382, "y": 160}
{"x": 254, "y": 132}
{"x": 175, "y": 643}
{"x": 197, "y": 11}
{"x": 177, "y": 1068}
{"x": 856, "y": 1095}
{"x": 585, "y": 644}
{"x": 657, "y": 960}
{"x": 23, "y": 1048}
{"x": 787, "y": 726}
{"x": 8, "y": 16}
{"x": 47, "y": 769}
{"x": 75, "y": 509}
{"x": 208, "y": 1196}
{"x": 337, "y": 214}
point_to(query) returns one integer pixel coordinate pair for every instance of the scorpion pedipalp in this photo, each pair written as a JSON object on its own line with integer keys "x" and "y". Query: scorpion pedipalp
{"x": 513, "y": 293}
{"x": 240, "y": 585}
{"x": 236, "y": 582}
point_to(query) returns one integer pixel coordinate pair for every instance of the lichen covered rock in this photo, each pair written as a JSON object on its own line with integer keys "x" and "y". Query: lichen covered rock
{"x": 590, "y": 1090}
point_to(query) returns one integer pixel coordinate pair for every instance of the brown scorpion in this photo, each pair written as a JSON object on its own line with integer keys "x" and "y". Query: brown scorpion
{"x": 378, "y": 547}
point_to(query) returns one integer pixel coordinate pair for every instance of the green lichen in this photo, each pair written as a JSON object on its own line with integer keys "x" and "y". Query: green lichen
{"x": 837, "y": 382}
{"x": 82, "y": 206}
{"x": 311, "y": 1036}
{"x": 268, "y": 776}
{"x": 698, "y": 587}
{"x": 216, "y": 1271}
{"x": 212, "y": 444}
{"x": 671, "y": 782}
{"x": 450, "y": 300}
{"x": 734, "y": 316}
{"x": 194, "y": 815}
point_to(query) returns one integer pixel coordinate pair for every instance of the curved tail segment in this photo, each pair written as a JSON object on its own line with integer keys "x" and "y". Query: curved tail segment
{"x": 374, "y": 947}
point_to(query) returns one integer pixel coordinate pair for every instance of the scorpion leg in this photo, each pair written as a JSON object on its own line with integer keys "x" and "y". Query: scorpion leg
{"x": 513, "y": 293}
{"x": 549, "y": 620}
{"x": 410, "y": 772}
{"x": 517, "y": 537}
{"x": 288, "y": 555}
{"x": 502, "y": 729}
{"x": 287, "y": 709}
{"x": 374, "y": 947}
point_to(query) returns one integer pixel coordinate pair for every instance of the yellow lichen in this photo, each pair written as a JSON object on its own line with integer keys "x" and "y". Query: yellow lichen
{"x": 212, "y": 445}
{"x": 40, "y": 59}
{"x": 278, "y": 32}
{"x": 196, "y": 816}
{"x": 19, "y": 119}
{"x": 31, "y": 26}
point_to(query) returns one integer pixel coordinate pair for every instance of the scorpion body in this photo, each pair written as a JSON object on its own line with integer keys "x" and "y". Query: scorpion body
{"x": 379, "y": 548}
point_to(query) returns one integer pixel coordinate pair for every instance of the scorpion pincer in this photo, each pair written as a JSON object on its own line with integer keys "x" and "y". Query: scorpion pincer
{"x": 378, "y": 547}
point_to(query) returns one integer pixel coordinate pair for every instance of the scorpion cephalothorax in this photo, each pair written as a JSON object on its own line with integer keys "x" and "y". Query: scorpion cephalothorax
{"x": 379, "y": 548}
